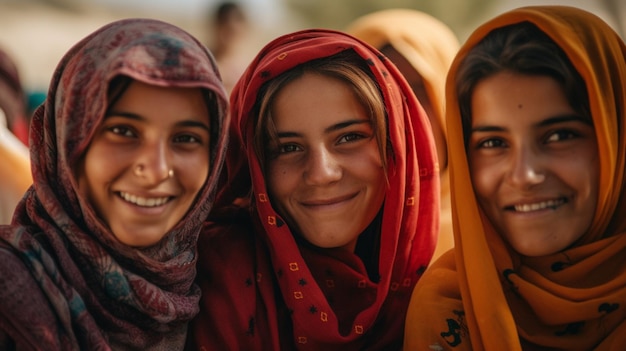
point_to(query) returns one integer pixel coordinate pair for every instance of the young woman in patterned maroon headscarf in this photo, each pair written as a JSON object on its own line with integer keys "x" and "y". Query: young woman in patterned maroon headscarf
{"x": 125, "y": 155}
{"x": 329, "y": 208}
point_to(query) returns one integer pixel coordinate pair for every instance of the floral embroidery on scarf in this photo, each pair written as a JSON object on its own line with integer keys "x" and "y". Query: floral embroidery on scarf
{"x": 324, "y": 316}
{"x": 410, "y": 201}
{"x": 607, "y": 308}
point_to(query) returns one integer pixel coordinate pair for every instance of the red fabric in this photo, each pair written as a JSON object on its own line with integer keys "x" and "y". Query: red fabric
{"x": 262, "y": 289}
{"x": 66, "y": 283}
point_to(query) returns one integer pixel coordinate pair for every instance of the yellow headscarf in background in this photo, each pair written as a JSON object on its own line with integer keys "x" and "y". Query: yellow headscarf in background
{"x": 498, "y": 297}
{"x": 429, "y": 46}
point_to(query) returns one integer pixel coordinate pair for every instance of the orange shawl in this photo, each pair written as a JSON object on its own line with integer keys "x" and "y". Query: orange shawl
{"x": 429, "y": 46}
{"x": 467, "y": 298}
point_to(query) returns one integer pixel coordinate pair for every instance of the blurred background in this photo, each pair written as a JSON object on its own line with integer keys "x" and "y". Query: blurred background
{"x": 36, "y": 33}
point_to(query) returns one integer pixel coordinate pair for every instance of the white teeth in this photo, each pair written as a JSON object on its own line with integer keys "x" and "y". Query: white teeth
{"x": 142, "y": 201}
{"x": 539, "y": 206}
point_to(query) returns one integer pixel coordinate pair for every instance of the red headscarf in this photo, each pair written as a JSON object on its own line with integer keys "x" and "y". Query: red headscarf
{"x": 67, "y": 283}
{"x": 262, "y": 289}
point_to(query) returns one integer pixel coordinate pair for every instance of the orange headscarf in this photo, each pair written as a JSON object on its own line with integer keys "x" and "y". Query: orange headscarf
{"x": 487, "y": 297}
{"x": 429, "y": 46}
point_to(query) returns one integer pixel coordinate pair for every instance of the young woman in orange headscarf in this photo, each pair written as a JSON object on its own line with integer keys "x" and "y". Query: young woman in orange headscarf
{"x": 422, "y": 47}
{"x": 328, "y": 212}
{"x": 537, "y": 140}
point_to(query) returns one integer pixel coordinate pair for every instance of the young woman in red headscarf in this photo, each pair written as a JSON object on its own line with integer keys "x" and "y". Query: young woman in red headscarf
{"x": 328, "y": 210}
{"x": 125, "y": 154}
{"x": 537, "y": 139}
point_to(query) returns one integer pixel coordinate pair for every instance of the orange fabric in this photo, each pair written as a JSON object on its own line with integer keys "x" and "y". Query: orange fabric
{"x": 484, "y": 293}
{"x": 265, "y": 290}
{"x": 429, "y": 46}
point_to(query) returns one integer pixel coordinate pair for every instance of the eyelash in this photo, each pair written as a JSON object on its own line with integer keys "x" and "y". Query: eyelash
{"x": 127, "y": 132}
{"x": 343, "y": 139}
{"x": 563, "y": 134}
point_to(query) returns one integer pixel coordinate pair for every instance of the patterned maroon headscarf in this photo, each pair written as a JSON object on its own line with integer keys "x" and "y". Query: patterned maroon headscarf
{"x": 66, "y": 282}
{"x": 264, "y": 290}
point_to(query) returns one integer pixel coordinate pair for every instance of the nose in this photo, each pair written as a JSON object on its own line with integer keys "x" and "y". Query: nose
{"x": 322, "y": 167}
{"x": 152, "y": 164}
{"x": 527, "y": 168}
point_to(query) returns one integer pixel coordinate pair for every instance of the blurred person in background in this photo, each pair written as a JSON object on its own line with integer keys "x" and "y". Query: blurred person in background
{"x": 13, "y": 99}
{"x": 422, "y": 47}
{"x": 228, "y": 33}
{"x": 15, "y": 175}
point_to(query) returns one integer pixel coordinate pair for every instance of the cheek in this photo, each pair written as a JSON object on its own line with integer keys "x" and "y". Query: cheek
{"x": 583, "y": 176}
{"x": 197, "y": 178}
{"x": 485, "y": 185}
{"x": 484, "y": 180}
{"x": 279, "y": 179}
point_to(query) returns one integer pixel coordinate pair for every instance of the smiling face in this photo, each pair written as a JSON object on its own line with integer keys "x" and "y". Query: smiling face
{"x": 147, "y": 161}
{"x": 325, "y": 175}
{"x": 533, "y": 161}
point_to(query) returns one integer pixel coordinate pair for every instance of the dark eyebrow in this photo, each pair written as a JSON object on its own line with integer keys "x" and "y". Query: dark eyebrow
{"x": 330, "y": 129}
{"x": 564, "y": 119}
{"x": 543, "y": 123}
{"x": 136, "y": 117}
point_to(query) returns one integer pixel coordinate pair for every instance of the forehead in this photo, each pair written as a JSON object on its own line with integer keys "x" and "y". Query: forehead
{"x": 511, "y": 98}
{"x": 315, "y": 100}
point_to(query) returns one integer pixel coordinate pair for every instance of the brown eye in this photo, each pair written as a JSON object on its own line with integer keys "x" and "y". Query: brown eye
{"x": 121, "y": 130}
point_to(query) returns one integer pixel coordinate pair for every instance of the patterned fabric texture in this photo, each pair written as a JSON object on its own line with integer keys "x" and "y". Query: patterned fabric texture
{"x": 66, "y": 282}
{"x": 265, "y": 290}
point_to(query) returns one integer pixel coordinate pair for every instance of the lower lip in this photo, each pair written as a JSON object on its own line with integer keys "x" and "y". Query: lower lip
{"x": 332, "y": 205}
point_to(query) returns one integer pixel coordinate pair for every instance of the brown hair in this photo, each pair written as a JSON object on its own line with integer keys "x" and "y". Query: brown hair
{"x": 520, "y": 48}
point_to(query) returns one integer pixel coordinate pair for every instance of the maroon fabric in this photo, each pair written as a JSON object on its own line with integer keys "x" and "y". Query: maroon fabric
{"x": 262, "y": 289}
{"x": 67, "y": 283}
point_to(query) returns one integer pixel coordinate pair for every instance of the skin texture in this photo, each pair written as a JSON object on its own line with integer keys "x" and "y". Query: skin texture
{"x": 325, "y": 176}
{"x": 147, "y": 161}
{"x": 534, "y": 162}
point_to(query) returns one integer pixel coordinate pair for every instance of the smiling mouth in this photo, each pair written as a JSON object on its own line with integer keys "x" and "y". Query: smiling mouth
{"x": 144, "y": 201}
{"x": 538, "y": 206}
